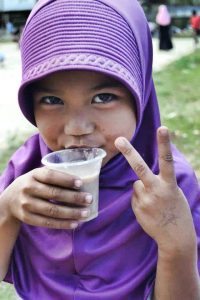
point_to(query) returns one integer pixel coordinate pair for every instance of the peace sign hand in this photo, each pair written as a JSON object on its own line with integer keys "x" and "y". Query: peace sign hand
{"x": 158, "y": 203}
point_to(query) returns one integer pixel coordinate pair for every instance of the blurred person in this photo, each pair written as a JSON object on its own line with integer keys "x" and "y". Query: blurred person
{"x": 10, "y": 27}
{"x": 2, "y": 59}
{"x": 195, "y": 24}
{"x": 163, "y": 20}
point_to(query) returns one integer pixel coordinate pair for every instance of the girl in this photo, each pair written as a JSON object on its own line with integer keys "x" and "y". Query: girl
{"x": 87, "y": 82}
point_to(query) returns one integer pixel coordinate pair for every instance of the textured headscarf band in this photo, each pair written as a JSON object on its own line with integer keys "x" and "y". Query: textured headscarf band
{"x": 78, "y": 34}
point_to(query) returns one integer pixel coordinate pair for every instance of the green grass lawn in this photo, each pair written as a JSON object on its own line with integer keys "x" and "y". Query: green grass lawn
{"x": 178, "y": 90}
{"x": 7, "y": 292}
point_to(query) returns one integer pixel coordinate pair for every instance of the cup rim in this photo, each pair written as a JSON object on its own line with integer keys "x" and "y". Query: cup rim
{"x": 78, "y": 163}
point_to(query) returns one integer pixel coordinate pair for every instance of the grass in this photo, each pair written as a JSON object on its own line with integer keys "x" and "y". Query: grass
{"x": 178, "y": 91}
{"x": 7, "y": 292}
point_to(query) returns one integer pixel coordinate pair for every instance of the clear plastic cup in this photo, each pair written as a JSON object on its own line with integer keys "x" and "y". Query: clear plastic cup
{"x": 82, "y": 162}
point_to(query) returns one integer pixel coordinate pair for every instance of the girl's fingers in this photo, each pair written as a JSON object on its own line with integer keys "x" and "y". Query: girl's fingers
{"x": 76, "y": 198}
{"x": 135, "y": 160}
{"x": 54, "y": 177}
{"x": 166, "y": 164}
{"x": 54, "y": 210}
{"x": 41, "y": 221}
{"x": 138, "y": 187}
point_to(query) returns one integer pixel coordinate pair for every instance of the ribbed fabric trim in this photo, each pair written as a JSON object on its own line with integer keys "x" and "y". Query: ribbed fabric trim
{"x": 81, "y": 59}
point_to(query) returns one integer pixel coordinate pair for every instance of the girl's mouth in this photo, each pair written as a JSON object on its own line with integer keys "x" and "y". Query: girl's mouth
{"x": 80, "y": 146}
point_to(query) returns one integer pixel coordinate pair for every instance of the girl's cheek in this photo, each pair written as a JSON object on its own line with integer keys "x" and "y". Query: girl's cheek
{"x": 110, "y": 146}
{"x": 50, "y": 136}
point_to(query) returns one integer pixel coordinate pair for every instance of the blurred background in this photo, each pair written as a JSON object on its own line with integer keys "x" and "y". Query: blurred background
{"x": 13, "y": 13}
{"x": 180, "y": 11}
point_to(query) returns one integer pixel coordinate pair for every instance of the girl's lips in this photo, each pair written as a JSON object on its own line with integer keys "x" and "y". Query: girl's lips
{"x": 80, "y": 146}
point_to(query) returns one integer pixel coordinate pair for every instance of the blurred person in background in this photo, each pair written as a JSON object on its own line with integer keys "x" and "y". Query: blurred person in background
{"x": 2, "y": 59}
{"x": 10, "y": 27}
{"x": 195, "y": 24}
{"x": 163, "y": 20}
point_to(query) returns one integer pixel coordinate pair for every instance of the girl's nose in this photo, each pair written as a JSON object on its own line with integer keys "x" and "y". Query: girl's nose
{"x": 78, "y": 124}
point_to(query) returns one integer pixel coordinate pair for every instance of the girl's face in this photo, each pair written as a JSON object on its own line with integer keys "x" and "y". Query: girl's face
{"x": 83, "y": 109}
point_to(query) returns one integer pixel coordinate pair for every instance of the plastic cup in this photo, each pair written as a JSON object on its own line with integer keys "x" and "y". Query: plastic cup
{"x": 82, "y": 162}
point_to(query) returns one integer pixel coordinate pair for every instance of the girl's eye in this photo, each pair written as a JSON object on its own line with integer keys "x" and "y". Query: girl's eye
{"x": 51, "y": 100}
{"x": 104, "y": 98}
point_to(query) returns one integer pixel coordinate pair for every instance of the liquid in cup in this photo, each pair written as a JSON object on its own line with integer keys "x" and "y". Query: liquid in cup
{"x": 82, "y": 162}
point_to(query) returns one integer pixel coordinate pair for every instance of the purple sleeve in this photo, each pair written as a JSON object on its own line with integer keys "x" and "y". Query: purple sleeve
{"x": 6, "y": 178}
{"x": 20, "y": 163}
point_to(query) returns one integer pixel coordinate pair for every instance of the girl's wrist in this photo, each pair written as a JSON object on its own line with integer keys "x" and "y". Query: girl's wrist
{"x": 5, "y": 212}
{"x": 177, "y": 247}
{"x": 179, "y": 254}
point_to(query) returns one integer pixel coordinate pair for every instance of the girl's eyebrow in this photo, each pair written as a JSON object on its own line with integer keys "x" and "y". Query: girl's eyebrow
{"x": 102, "y": 85}
{"x": 40, "y": 89}
{"x": 107, "y": 84}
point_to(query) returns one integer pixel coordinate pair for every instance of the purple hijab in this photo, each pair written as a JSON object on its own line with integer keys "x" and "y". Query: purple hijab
{"x": 110, "y": 257}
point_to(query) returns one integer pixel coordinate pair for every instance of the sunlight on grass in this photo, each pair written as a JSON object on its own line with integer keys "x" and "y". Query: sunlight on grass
{"x": 7, "y": 292}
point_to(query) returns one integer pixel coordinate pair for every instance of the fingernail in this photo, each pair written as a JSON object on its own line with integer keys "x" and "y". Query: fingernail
{"x": 73, "y": 225}
{"x": 121, "y": 142}
{"x": 85, "y": 213}
{"x": 164, "y": 131}
{"x": 77, "y": 183}
{"x": 88, "y": 198}
{"x": 123, "y": 146}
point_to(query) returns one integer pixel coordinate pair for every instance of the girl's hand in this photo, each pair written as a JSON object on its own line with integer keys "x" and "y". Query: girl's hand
{"x": 27, "y": 199}
{"x": 158, "y": 203}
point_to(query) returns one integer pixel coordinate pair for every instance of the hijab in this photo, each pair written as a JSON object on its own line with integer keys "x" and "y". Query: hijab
{"x": 163, "y": 17}
{"x": 110, "y": 257}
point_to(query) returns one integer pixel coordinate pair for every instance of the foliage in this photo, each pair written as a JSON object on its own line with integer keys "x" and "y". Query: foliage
{"x": 13, "y": 141}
